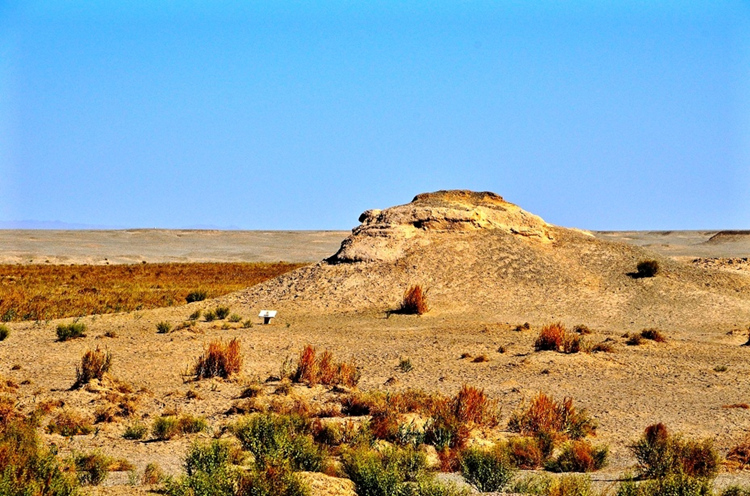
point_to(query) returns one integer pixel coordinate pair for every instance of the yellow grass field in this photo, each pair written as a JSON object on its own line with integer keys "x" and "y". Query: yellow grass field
{"x": 41, "y": 292}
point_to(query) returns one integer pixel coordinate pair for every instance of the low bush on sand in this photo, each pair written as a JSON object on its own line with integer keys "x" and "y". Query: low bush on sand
{"x": 312, "y": 369}
{"x": 579, "y": 456}
{"x": 221, "y": 312}
{"x": 71, "y": 331}
{"x": 554, "y": 337}
{"x": 70, "y": 423}
{"x": 219, "y": 360}
{"x": 136, "y": 430}
{"x": 92, "y": 468}
{"x": 647, "y": 268}
{"x": 170, "y": 426}
{"x": 660, "y": 454}
{"x": 94, "y": 364}
{"x": 196, "y": 295}
{"x": 653, "y": 335}
{"x": 415, "y": 301}
{"x": 4, "y": 332}
{"x": 163, "y": 327}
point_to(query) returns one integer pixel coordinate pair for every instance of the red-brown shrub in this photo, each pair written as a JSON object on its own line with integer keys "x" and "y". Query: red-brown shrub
{"x": 415, "y": 301}
{"x": 312, "y": 369}
{"x": 545, "y": 415}
{"x": 219, "y": 360}
{"x": 550, "y": 338}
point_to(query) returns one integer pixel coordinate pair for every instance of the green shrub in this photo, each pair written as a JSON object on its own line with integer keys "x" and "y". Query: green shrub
{"x": 489, "y": 470}
{"x": 92, "y": 468}
{"x": 152, "y": 474}
{"x": 234, "y": 318}
{"x": 383, "y": 473}
{"x": 71, "y": 331}
{"x": 163, "y": 327}
{"x": 221, "y": 312}
{"x": 187, "y": 424}
{"x": 165, "y": 427}
{"x": 208, "y": 472}
{"x": 405, "y": 365}
{"x": 579, "y": 456}
{"x": 271, "y": 437}
{"x": 671, "y": 485}
{"x": 247, "y": 324}
{"x": 209, "y": 315}
{"x": 271, "y": 480}
{"x": 735, "y": 491}
{"x": 428, "y": 486}
{"x": 4, "y": 332}
{"x": 26, "y": 467}
{"x": 197, "y": 295}
{"x": 195, "y": 315}
{"x": 134, "y": 431}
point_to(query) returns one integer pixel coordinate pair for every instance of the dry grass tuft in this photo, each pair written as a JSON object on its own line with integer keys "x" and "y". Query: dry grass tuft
{"x": 94, "y": 364}
{"x": 38, "y": 292}
{"x": 481, "y": 359}
{"x": 550, "y": 338}
{"x": 312, "y": 369}
{"x": 653, "y": 335}
{"x": 415, "y": 302}
{"x": 554, "y": 337}
{"x": 70, "y": 423}
{"x": 219, "y": 360}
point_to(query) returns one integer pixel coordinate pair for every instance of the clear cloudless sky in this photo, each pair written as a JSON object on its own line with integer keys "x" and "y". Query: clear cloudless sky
{"x": 302, "y": 114}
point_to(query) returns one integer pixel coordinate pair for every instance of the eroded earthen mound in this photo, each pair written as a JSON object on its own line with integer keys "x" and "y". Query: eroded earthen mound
{"x": 722, "y": 237}
{"x": 476, "y": 253}
{"x": 386, "y": 235}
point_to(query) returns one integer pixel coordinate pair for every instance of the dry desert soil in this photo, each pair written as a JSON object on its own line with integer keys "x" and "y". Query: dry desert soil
{"x": 488, "y": 267}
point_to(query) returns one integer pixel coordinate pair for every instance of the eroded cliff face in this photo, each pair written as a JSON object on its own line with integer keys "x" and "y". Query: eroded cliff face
{"x": 387, "y": 235}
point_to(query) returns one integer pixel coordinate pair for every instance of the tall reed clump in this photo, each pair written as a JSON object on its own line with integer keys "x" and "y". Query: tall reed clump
{"x": 219, "y": 360}
{"x": 415, "y": 301}
{"x": 312, "y": 369}
{"x": 94, "y": 364}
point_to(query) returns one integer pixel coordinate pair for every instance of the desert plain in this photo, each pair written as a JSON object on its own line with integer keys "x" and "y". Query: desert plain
{"x": 494, "y": 275}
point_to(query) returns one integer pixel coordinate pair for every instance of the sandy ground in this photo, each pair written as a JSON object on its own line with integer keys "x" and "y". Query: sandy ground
{"x": 162, "y": 245}
{"x": 678, "y": 382}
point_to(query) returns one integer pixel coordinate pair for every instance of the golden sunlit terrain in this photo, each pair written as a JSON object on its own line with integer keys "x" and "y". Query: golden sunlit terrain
{"x": 42, "y": 292}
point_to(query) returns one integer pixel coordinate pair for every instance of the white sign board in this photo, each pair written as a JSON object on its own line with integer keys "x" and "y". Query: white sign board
{"x": 267, "y": 314}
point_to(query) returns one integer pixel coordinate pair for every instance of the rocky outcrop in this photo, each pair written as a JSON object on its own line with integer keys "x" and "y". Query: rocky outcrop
{"x": 387, "y": 235}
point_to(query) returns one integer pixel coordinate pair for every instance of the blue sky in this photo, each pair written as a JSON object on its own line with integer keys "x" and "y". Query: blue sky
{"x": 300, "y": 115}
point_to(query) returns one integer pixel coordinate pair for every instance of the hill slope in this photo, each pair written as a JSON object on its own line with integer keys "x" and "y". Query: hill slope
{"x": 477, "y": 253}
